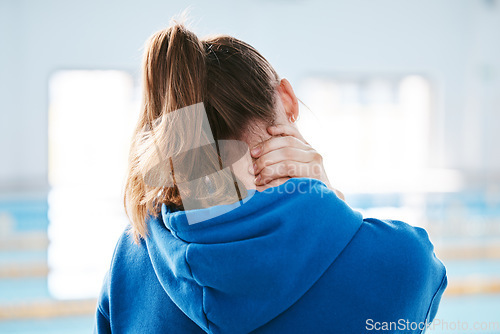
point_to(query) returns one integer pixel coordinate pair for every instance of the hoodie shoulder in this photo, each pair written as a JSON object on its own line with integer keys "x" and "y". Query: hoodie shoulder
{"x": 402, "y": 244}
{"x": 406, "y": 255}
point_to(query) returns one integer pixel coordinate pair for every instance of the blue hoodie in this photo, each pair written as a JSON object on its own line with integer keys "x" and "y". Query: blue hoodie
{"x": 291, "y": 259}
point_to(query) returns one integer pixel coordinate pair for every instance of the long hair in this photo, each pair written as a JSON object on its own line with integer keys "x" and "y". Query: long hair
{"x": 233, "y": 83}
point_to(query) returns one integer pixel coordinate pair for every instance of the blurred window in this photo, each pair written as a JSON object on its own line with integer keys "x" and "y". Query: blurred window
{"x": 374, "y": 134}
{"x": 91, "y": 117}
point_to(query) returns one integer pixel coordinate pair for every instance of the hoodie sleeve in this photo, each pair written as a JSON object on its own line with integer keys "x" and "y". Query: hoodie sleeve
{"x": 102, "y": 325}
{"x": 406, "y": 254}
{"x": 433, "y": 308}
{"x": 428, "y": 269}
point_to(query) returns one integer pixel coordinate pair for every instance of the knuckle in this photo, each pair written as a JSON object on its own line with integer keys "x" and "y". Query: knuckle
{"x": 264, "y": 172}
{"x": 317, "y": 157}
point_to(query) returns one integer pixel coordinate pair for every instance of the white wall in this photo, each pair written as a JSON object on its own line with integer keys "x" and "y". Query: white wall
{"x": 454, "y": 42}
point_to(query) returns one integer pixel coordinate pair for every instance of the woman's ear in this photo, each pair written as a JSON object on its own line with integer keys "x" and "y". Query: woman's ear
{"x": 290, "y": 101}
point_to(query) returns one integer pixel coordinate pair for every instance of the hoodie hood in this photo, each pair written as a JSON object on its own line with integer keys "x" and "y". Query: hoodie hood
{"x": 244, "y": 264}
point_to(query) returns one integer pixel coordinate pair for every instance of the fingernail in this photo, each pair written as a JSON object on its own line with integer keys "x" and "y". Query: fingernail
{"x": 255, "y": 151}
{"x": 258, "y": 178}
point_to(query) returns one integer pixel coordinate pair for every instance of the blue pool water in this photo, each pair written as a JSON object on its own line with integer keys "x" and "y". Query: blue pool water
{"x": 65, "y": 325}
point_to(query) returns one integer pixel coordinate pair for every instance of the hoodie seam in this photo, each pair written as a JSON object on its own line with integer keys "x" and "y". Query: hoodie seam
{"x": 202, "y": 289}
{"x": 101, "y": 311}
{"x": 444, "y": 280}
